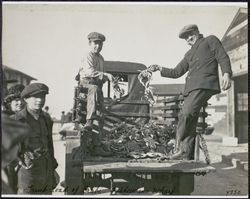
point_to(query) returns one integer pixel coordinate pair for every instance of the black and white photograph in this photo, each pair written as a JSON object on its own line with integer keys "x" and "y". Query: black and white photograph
{"x": 124, "y": 99}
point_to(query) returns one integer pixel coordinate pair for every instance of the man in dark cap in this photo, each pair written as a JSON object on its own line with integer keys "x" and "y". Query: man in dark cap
{"x": 202, "y": 82}
{"x": 37, "y": 161}
{"x": 92, "y": 77}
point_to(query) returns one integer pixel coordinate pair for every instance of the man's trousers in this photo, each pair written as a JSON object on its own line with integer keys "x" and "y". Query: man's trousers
{"x": 188, "y": 118}
{"x": 94, "y": 100}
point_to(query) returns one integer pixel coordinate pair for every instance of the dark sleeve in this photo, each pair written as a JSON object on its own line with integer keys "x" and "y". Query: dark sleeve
{"x": 19, "y": 132}
{"x": 50, "y": 142}
{"x": 176, "y": 72}
{"x": 220, "y": 54}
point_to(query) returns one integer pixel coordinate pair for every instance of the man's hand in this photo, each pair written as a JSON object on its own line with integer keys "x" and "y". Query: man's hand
{"x": 109, "y": 76}
{"x": 154, "y": 67}
{"x": 226, "y": 81}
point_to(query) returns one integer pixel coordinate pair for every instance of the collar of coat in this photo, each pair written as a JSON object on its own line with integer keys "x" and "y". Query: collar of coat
{"x": 193, "y": 49}
{"x": 199, "y": 40}
{"x": 34, "y": 114}
{"x": 24, "y": 112}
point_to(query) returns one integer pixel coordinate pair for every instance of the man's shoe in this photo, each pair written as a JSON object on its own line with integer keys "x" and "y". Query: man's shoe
{"x": 89, "y": 125}
{"x": 99, "y": 151}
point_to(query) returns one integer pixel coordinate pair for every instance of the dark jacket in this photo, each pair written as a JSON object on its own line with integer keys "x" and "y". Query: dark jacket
{"x": 201, "y": 62}
{"x": 13, "y": 133}
{"x": 36, "y": 175}
{"x": 22, "y": 116}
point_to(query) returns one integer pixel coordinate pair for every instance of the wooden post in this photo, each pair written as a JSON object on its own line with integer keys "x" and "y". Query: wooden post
{"x": 204, "y": 119}
{"x": 177, "y": 111}
{"x": 197, "y": 148}
{"x": 109, "y": 89}
{"x": 164, "y": 112}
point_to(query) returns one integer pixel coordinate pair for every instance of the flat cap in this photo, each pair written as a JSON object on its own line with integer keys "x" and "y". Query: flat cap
{"x": 95, "y": 36}
{"x": 187, "y": 29}
{"x": 33, "y": 89}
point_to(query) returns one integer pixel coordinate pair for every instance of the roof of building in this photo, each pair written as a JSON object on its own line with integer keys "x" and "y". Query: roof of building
{"x": 239, "y": 17}
{"x": 7, "y": 68}
{"x": 167, "y": 89}
{"x": 123, "y": 67}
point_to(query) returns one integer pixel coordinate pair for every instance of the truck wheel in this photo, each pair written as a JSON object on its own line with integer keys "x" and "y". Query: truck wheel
{"x": 73, "y": 171}
{"x": 184, "y": 184}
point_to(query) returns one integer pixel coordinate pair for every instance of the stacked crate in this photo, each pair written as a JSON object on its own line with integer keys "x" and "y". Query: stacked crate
{"x": 167, "y": 110}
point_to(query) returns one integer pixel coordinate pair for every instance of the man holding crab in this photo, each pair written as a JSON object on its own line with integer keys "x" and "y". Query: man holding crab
{"x": 202, "y": 82}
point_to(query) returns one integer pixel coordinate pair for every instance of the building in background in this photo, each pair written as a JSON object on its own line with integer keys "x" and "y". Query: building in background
{"x": 20, "y": 77}
{"x": 231, "y": 107}
{"x": 161, "y": 93}
{"x": 235, "y": 42}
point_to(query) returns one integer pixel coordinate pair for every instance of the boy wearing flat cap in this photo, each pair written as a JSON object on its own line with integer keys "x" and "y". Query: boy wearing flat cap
{"x": 202, "y": 82}
{"x": 36, "y": 155}
{"x": 92, "y": 77}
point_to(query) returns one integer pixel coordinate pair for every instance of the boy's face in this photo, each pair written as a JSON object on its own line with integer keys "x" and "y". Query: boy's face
{"x": 95, "y": 46}
{"x": 36, "y": 102}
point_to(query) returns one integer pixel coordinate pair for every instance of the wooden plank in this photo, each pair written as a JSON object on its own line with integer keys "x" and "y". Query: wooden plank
{"x": 108, "y": 124}
{"x": 163, "y": 122}
{"x": 171, "y": 99}
{"x": 128, "y": 114}
{"x": 103, "y": 160}
{"x": 175, "y": 115}
{"x": 137, "y": 102}
{"x": 112, "y": 119}
{"x": 168, "y": 107}
{"x": 166, "y": 115}
{"x": 120, "y": 117}
{"x": 169, "y": 166}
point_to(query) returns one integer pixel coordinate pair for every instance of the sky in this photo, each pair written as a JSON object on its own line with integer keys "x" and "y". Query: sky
{"x": 47, "y": 40}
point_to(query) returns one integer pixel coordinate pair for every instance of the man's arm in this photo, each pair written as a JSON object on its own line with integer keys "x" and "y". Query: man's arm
{"x": 223, "y": 59}
{"x": 176, "y": 72}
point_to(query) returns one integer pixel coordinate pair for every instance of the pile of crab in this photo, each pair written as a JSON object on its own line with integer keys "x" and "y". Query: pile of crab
{"x": 141, "y": 141}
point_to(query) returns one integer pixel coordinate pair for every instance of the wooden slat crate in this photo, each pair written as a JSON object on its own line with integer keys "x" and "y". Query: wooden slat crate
{"x": 169, "y": 108}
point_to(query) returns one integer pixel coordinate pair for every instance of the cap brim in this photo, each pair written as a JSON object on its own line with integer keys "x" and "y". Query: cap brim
{"x": 35, "y": 93}
{"x": 183, "y": 35}
{"x": 96, "y": 40}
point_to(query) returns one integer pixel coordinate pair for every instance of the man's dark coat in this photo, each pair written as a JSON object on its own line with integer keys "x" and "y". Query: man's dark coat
{"x": 201, "y": 62}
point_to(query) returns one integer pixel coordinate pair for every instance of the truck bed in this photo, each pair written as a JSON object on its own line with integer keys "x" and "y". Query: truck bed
{"x": 103, "y": 165}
